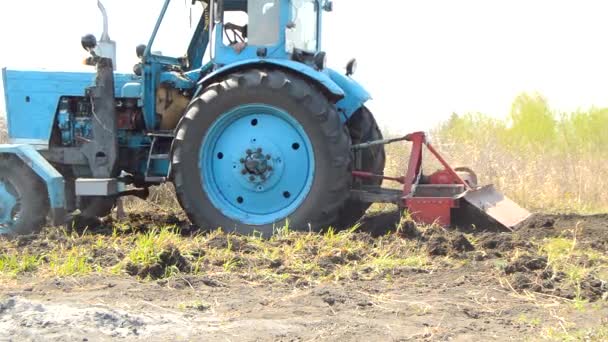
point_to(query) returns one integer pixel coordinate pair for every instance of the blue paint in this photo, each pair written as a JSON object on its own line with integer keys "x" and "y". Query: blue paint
{"x": 252, "y": 198}
{"x": 8, "y": 201}
{"x": 179, "y": 81}
{"x": 32, "y": 98}
{"x": 198, "y": 44}
{"x": 322, "y": 78}
{"x": 355, "y": 96}
{"x": 131, "y": 90}
{"x": 50, "y": 176}
{"x": 64, "y": 123}
{"x": 159, "y": 168}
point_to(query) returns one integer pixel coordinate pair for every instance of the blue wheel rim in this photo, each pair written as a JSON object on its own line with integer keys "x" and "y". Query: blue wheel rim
{"x": 9, "y": 207}
{"x": 257, "y": 164}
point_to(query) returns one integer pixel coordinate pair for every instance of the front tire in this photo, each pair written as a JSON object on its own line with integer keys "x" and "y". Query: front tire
{"x": 24, "y": 203}
{"x": 258, "y": 150}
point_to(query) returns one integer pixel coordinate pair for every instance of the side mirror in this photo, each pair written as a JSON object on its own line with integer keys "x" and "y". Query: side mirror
{"x": 140, "y": 50}
{"x": 328, "y": 6}
{"x": 351, "y": 67}
{"x": 89, "y": 42}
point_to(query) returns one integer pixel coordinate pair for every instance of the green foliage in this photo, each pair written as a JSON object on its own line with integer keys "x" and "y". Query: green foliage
{"x": 531, "y": 121}
{"x": 70, "y": 262}
{"x": 14, "y": 264}
{"x": 541, "y": 158}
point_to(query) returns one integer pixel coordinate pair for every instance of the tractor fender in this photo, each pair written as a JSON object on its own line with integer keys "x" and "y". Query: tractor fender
{"x": 322, "y": 79}
{"x": 52, "y": 178}
{"x": 355, "y": 95}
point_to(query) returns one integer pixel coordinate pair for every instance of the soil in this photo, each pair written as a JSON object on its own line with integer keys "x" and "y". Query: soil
{"x": 495, "y": 293}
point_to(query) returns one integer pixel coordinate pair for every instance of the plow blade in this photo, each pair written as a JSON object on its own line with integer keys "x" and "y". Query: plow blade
{"x": 496, "y": 206}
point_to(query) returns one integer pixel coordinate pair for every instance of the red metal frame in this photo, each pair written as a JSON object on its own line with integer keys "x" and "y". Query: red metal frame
{"x": 427, "y": 210}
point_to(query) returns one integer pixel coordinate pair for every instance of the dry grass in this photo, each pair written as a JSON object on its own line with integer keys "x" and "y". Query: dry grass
{"x": 544, "y": 160}
{"x": 163, "y": 252}
{"x": 542, "y": 180}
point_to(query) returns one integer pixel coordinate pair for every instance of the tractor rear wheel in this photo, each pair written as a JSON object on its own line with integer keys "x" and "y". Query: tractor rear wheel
{"x": 363, "y": 128}
{"x": 260, "y": 150}
{"x": 24, "y": 203}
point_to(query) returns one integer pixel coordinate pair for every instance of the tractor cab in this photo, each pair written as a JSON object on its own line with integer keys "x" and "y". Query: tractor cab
{"x": 230, "y": 31}
{"x": 281, "y": 29}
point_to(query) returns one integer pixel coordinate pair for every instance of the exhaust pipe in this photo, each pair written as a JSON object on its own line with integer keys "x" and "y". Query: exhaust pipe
{"x": 106, "y": 47}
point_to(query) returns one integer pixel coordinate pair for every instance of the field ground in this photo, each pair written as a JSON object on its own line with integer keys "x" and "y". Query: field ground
{"x": 546, "y": 281}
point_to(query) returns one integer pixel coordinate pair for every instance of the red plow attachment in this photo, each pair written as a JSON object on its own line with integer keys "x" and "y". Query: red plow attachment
{"x": 443, "y": 197}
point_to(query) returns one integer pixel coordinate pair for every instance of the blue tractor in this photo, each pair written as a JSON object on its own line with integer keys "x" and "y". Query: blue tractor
{"x": 258, "y": 136}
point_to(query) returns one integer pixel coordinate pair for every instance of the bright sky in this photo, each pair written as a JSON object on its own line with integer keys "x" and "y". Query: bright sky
{"x": 421, "y": 60}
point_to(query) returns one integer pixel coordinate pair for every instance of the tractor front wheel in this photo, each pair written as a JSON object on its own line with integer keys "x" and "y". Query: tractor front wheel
{"x": 259, "y": 150}
{"x": 24, "y": 203}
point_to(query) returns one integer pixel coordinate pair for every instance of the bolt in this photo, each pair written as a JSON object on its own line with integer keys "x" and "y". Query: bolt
{"x": 249, "y": 152}
{"x": 263, "y": 177}
{"x": 259, "y": 150}
{"x": 252, "y": 178}
{"x": 244, "y": 171}
{"x": 268, "y": 157}
{"x": 242, "y": 160}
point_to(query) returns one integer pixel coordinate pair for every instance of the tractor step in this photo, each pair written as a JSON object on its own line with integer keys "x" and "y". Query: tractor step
{"x": 161, "y": 134}
{"x": 163, "y": 156}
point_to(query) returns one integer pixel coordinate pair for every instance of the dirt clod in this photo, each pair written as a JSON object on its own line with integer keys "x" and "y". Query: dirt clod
{"x": 461, "y": 244}
{"x": 438, "y": 246}
{"x": 526, "y": 263}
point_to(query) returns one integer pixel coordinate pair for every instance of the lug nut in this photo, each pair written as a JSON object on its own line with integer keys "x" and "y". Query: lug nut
{"x": 259, "y": 150}
{"x": 249, "y": 152}
{"x": 251, "y": 178}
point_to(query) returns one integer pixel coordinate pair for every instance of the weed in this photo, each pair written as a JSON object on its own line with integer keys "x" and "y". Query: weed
{"x": 14, "y": 264}
{"x": 75, "y": 261}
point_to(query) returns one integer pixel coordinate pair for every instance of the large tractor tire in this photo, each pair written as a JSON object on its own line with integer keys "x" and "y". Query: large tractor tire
{"x": 24, "y": 203}
{"x": 363, "y": 128}
{"x": 259, "y": 150}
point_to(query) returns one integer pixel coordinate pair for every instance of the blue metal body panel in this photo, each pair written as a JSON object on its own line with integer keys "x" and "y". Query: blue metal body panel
{"x": 322, "y": 78}
{"x": 52, "y": 178}
{"x": 32, "y": 99}
{"x": 355, "y": 94}
{"x": 351, "y": 94}
{"x": 131, "y": 90}
{"x": 283, "y": 164}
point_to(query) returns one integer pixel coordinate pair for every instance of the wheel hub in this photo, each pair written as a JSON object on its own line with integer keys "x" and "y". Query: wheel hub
{"x": 257, "y": 166}
{"x": 8, "y": 202}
